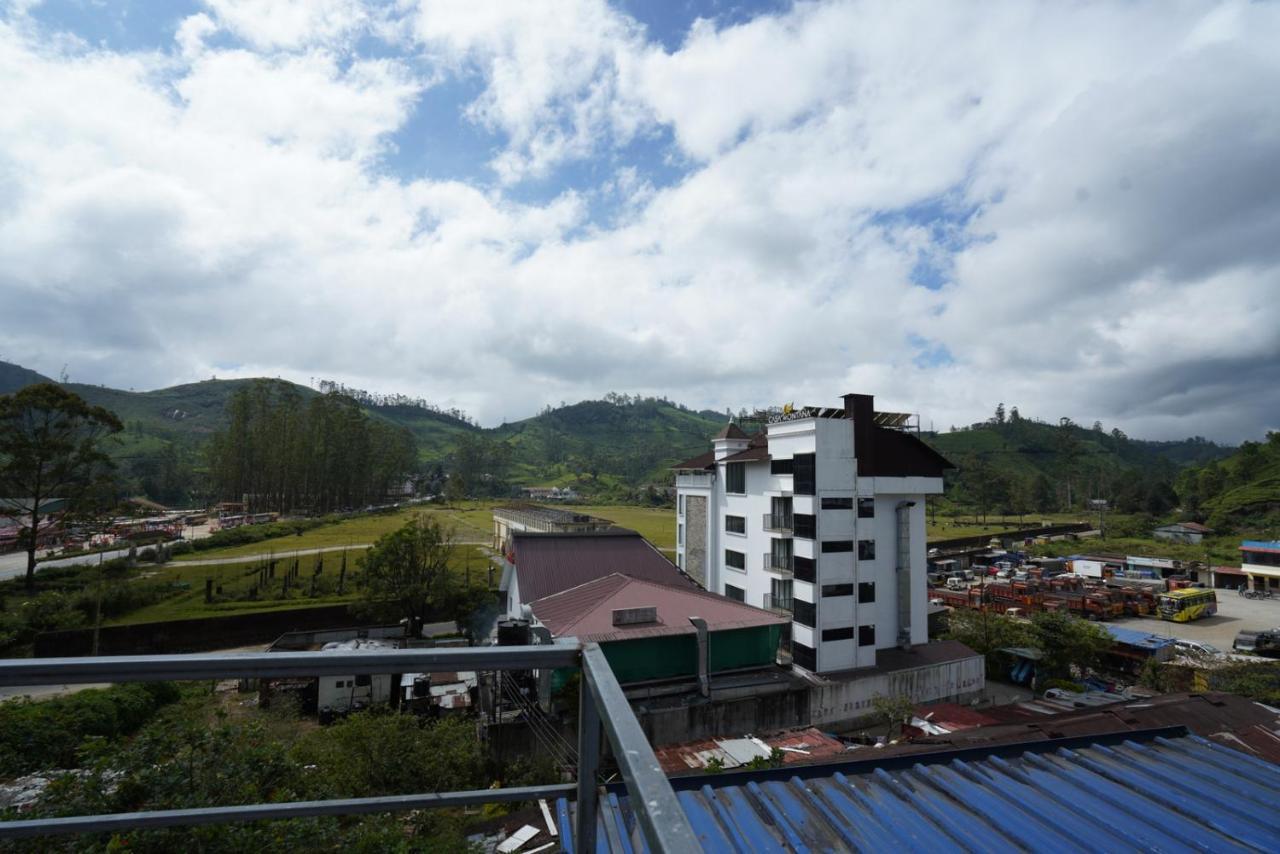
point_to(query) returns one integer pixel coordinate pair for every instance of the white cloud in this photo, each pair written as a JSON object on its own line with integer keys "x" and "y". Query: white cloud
{"x": 290, "y": 24}
{"x": 1108, "y": 245}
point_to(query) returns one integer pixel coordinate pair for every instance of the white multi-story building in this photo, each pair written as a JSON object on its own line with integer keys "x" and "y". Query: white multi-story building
{"x": 820, "y": 515}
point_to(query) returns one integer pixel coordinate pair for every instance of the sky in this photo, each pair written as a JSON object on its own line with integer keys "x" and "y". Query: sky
{"x": 1068, "y": 207}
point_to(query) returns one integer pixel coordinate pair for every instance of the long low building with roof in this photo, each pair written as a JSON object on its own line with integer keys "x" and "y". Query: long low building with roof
{"x": 650, "y": 631}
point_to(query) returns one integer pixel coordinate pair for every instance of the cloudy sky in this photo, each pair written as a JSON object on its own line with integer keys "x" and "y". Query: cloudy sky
{"x": 1069, "y": 207}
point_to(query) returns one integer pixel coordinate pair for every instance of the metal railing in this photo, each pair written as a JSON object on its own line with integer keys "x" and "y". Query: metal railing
{"x": 602, "y": 708}
{"x": 778, "y": 523}
{"x": 781, "y": 564}
{"x": 778, "y": 604}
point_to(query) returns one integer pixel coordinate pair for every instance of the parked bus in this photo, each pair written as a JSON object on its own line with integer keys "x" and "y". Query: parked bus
{"x": 1189, "y": 603}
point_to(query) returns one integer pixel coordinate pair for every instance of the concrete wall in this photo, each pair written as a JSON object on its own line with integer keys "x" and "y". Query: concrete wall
{"x": 723, "y": 718}
{"x": 695, "y": 538}
{"x": 839, "y": 704}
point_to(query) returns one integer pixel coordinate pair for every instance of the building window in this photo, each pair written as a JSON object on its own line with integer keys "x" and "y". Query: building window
{"x": 737, "y": 594}
{"x": 802, "y": 466}
{"x": 866, "y": 635}
{"x": 866, "y": 549}
{"x": 803, "y": 656}
{"x": 837, "y": 590}
{"x": 837, "y": 504}
{"x": 804, "y": 613}
{"x": 735, "y": 478}
{"x": 680, "y": 561}
{"x": 780, "y": 591}
{"x": 364, "y": 680}
{"x": 838, "y": 634}
{"x": 735, "y": 524}
{"x": 832, "y": 546}
{"x": 679, "y": 535}
{"x": 804, "y": 568}
{"x": 680, "y": 505}
{"x": 866, "y": 592}
{"x": 804, "y": 525}
{"x": 780, "y": 467}
{"x": 866, "y": 508}
{"x": 735, "y": 560}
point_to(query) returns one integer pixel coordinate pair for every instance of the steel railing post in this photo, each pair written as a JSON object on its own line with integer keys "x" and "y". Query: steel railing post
{"x": 589, "y": 733}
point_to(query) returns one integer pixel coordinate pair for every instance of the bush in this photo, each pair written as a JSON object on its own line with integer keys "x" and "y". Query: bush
{"x": 44, "y": 734}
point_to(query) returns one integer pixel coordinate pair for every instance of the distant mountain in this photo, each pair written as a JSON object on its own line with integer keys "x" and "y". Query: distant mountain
{"x": 14, "y": 377}
{"x": 1037, "y": 465}
{"x": 1240, "y": 492}
{"x": 622, "y": 442}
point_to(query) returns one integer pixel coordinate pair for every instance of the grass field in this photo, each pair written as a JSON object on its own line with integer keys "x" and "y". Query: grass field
{"x": 237, "y": 579}
{"x": 950, "y": 527}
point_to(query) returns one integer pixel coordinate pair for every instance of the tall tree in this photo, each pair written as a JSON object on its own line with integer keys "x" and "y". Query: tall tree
{"x": 406, "y": 574}
{"x": 999, "y": 413}
{"x": 51, "y": 448}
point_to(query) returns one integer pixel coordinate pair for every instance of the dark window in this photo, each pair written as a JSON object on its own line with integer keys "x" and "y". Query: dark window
{"x": 804, "y": 568}
{"x": 866, "y": 592}
{"x": 830, "y": 546}
{"x": 737, "y": 594}
{"x": 364, "y": 680}
{"x": 802, "y": 467}
{"x": 837, "y": 504}
{"x": 803, "y": 612}
{"x": 866, "y": 508}
{"x": 803, "y": 656}
{"x": 735, "y": 478}
{"x": 866, "y": 635}
{"x": 837, "y": 590}
{"x": 735, "y": 524}
{"x": 838, "y": 634}
{"x": 866, "y": 549}
{"x": 804, "y": 525}
{"x": 780, "y": 466}
{"x": 737, "y": 560}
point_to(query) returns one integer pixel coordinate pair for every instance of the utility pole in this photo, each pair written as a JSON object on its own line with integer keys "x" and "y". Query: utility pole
{"x": 97, "y": 607}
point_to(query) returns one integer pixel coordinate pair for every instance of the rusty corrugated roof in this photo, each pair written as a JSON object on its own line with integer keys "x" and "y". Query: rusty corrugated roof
{"x": 586, "y": 612}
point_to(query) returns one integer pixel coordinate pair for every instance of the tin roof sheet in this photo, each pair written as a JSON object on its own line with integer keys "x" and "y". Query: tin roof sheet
{"x": 1161, "y": 790}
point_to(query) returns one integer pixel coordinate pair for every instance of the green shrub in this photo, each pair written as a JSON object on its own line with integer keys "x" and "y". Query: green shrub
{"x": 43, "y": 734}
{"x": 1064, "y": 684}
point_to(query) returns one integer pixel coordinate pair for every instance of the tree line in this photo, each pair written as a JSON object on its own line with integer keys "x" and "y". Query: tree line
{"x": 281, "y": 453}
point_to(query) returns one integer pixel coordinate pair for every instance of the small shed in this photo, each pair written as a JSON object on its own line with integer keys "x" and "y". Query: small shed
{"x": 1182, "y": 532}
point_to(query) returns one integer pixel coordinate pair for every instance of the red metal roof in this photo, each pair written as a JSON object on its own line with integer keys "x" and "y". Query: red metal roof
{"x": 586, "y": 611}
{"x": 547, "y": 564}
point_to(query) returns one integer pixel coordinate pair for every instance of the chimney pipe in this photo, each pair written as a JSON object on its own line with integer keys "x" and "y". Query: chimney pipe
{"x": 903, "y": 570}
{"x": 704, "y": 680}
{"x": 861, "y": 409}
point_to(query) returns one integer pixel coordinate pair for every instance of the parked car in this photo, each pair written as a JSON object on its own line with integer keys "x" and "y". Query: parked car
{"x": 1265, "y": 642}
{"x": 954, "y": 583}
{"x": 1196, "y": 649}
{"x": 1004, "y": 573}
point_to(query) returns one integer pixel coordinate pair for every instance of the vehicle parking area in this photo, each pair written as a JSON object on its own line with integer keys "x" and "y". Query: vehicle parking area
{"x": 1234, "y": 614}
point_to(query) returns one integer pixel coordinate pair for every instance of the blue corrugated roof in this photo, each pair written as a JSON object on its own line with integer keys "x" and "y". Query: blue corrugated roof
{"x": 1260, "y": 544}
{"x": 1144, "y": 640}
{"x": 1132, "y": 792}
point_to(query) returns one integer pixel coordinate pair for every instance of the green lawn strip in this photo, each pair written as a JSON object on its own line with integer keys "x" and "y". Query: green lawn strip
{"x": 237, "y": 579}
{"x": 470, "y": 524}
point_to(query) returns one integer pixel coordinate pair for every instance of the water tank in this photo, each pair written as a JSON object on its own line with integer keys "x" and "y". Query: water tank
{"x": 513, "y": 632}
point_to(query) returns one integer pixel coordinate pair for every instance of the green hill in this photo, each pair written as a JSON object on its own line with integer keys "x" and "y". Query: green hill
{"x": 1027, "y": 465}
{"x": 1240, "y": 492}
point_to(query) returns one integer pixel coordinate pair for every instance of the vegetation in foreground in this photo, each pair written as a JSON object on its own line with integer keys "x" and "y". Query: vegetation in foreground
{"x": 217, "y": 749}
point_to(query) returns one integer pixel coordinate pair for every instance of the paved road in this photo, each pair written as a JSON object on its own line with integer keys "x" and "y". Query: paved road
{"x": 1234, "y": 613}
{"x": 15, "y": 565}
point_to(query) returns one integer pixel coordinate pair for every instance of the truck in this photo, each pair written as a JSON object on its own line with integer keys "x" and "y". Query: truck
{"x": 1265, "y": 642}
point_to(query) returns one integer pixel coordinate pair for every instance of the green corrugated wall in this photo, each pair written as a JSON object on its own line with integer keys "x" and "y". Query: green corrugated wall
{"x": 673, "y": 656}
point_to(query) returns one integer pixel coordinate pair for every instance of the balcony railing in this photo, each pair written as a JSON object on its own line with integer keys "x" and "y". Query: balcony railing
{"x": 783, "y": 564}
{"x": 601, "y": 707}
{"x": 779, "y": 523}
{"x": 778, "y": 604}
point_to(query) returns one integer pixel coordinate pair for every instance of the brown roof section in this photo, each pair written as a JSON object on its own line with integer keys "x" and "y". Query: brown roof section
{"x": 586, "y": 611}
{"x": 756, "y": 451}
{"x": 701, "y": 461}
{"x": 898, "y": 454}
{"x": 547, "y": 564}
{"x": 730, "y": 431}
